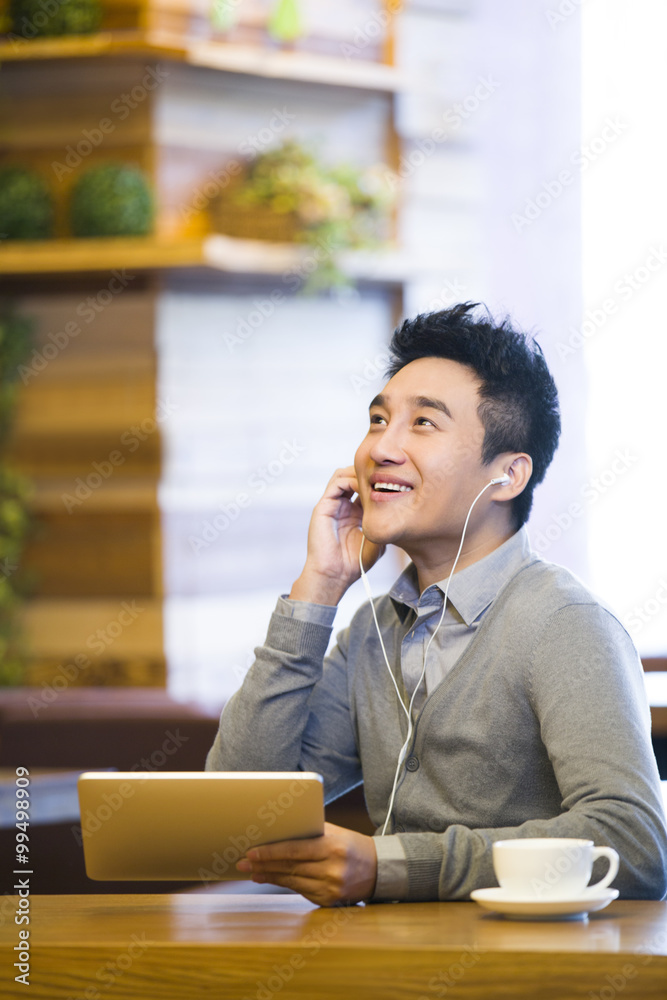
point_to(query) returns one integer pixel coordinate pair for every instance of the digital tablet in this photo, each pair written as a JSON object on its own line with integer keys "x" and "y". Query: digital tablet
{"x": 191, "y": 824}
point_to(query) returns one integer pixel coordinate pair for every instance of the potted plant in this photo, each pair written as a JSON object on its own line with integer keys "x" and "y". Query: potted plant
{"x": 112, "y": 199}
{"x": 287, "y": 193}
{"x": 35, "y": 18}
{"x": 26, "y": 205}
{"x": 15, "y": 335}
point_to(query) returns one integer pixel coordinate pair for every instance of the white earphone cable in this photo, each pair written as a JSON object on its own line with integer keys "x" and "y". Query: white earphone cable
{"x": 408, "y": 711}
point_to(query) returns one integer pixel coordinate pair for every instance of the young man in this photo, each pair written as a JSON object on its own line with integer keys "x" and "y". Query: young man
{"x": 530, "y": 719}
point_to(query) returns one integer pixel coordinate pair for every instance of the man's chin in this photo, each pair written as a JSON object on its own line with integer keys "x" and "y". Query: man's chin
{"x": 382, "y": 534}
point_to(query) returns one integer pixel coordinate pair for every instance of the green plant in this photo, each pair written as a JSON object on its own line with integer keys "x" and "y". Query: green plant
{"x": 26, "y": 205}
{"x": 286, "y": 21}
{"x": 15, "y": 336}
{"x": 224, "y": 14}
{"x": 35, "y": 18}
{"x": 113, "y": 199}
{"x": 338, "y": 208}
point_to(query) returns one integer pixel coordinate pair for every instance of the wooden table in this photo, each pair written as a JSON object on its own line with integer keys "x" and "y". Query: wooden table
{"x": 280, "y": 947}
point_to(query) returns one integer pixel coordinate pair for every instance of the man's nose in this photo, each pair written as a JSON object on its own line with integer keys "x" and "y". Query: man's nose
{"x": 388, "y": 447}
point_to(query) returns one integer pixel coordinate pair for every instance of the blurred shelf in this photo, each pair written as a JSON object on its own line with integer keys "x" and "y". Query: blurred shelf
{"x": 58, "y": 627}
{"x": 214, "y": 252}
{"x": 302, "y": 67}
{"x": 128, "y": 494}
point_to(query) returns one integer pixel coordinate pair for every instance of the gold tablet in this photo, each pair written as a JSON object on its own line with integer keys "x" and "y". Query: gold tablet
{"x": 191, "y": 824}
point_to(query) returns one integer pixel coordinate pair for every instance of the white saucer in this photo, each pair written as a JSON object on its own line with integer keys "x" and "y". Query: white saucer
{"x": 542, "y": 909}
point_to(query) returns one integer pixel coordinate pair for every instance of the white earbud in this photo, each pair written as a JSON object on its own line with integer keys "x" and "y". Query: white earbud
{"x": 500, "y": 481}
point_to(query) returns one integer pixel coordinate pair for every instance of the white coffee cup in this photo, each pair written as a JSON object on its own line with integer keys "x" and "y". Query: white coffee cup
{"x": 548, "y": 868}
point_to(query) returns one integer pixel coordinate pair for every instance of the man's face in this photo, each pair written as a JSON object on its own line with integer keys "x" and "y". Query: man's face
{"x": 419, "y": 467}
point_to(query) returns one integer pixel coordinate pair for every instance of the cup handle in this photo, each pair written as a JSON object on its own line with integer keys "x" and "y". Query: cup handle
{"x": 612, "y": 857}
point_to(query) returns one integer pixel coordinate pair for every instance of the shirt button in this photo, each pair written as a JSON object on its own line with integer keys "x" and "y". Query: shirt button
{"x": 412, "y": 764}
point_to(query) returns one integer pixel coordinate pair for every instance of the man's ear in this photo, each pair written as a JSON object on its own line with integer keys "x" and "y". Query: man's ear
{"x": 519, "y": 468}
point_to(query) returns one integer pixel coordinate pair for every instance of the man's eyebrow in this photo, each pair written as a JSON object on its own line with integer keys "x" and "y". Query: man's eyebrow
{"x": 417, "y": 401}
{"x": 434, "y": 404}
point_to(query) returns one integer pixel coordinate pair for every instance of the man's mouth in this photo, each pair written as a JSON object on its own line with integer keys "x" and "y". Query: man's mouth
{"x": 390, "y": 488}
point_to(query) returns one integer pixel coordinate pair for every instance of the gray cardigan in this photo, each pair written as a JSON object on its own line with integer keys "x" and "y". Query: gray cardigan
{"x": 541, "y": 729}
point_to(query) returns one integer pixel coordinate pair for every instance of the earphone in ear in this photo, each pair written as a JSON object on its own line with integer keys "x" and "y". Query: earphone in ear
{"x": 500, "y": 481}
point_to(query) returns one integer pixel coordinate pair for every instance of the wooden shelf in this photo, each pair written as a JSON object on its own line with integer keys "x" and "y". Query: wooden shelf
{"x": 248, "y": 60}
{"x": 133, "y": 493}
{"x": 58, "y": 628}
{"x": 214, "y": 252}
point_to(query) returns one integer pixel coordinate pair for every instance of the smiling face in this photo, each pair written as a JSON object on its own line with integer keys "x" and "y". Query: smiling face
{"x": 419, "y": 467}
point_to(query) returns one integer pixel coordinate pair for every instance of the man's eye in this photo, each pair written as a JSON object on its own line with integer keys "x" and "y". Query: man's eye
{"x": 424, "y": 422}
{"x": 376, "y": 418}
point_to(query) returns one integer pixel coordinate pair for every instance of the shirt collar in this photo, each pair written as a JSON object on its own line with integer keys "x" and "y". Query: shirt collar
{"x": 472, "y": 589}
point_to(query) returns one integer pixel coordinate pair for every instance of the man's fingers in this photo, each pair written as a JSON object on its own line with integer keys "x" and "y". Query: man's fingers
{"x": 298, "y": 869}
{"x": 283, "y": 855}
{"x": 312, "y": 889}
{"x": 339, "y": 866}
{"x": 342, "y": 483}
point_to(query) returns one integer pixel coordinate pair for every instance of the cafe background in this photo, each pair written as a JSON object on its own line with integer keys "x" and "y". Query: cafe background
{"x": 214, "y": 216}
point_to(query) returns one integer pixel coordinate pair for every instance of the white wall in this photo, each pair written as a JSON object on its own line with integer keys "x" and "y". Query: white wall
{"x": 531, "y": 228}
{"x": 625, "y": 275}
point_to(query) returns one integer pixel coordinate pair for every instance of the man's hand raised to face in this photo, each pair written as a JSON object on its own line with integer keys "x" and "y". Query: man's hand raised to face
{"x": 334, "y": 539}
{"x": 339, "y": 867}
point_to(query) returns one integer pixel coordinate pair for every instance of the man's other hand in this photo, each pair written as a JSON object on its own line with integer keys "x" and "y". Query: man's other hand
{"x": 339, "y": 867}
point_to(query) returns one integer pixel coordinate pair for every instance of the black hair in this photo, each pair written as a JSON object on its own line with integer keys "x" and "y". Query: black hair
{"x": 519, "y": 400}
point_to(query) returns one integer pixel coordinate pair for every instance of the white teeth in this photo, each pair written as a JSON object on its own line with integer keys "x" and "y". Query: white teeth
{"x": 393, "y": 487}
